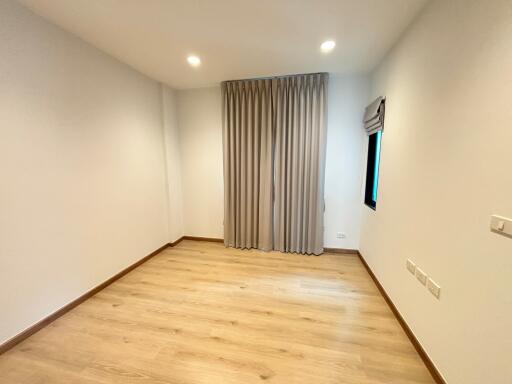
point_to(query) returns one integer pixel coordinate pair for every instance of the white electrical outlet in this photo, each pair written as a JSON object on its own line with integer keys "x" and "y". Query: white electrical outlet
{"x": 411, "y": 267}
{"x": 421, "y": 276}
{"x": 434, "y": 288}
{"x": 340, "y": 235}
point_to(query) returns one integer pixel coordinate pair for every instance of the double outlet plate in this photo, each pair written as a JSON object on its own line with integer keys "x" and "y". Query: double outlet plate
{"x": 423, "y": 278}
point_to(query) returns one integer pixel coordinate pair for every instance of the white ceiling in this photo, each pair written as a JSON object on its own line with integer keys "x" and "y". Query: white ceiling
{"x": 234, "y": 38}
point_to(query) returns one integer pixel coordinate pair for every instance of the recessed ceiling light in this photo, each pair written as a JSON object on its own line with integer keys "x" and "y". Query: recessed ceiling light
{"x": 327, "y": 46}
{"x": 194, "y": 61}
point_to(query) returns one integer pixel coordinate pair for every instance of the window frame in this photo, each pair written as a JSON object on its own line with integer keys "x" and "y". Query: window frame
{"x": 372, "y": 169}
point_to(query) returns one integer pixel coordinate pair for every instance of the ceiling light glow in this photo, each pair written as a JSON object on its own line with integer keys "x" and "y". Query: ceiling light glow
{"x": 327, "y": 46}
{"x": 194, "y": 61}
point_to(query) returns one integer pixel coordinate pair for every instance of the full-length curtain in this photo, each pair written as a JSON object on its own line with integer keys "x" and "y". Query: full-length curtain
{"x": 300, "y": 119}
{"x": 274, "y": 134}
{"x": 248, "y": 163}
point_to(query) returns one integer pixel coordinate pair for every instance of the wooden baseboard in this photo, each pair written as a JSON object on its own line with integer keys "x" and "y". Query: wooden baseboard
{"x": 54, "y": 316}
{"x": 218, "y": 240}
{"x": 176, "y": 242}
{"x": 345, "y": 251}
{"x": 436, "y": 375}
{"x": 198, "y": 238}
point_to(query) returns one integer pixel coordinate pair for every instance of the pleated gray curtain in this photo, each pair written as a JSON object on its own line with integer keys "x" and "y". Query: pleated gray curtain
{"x": 300, "y": 119}
{"x": 274, "y": 134}
{"x": 248, "y": 164}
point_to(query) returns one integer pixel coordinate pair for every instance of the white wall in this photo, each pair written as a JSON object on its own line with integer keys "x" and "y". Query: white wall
{"x": 200, "y": 125}
{"x": 445, "y": 155}
{"x": 83, "y": 186}
{"x": 345, "y": 161}
{"x": 173, "y": 164}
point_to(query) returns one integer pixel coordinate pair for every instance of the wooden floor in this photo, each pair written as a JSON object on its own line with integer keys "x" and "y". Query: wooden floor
{"x": 201, "y": 313}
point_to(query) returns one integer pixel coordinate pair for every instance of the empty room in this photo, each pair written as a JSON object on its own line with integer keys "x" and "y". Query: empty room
{"x": 255, "y": 191}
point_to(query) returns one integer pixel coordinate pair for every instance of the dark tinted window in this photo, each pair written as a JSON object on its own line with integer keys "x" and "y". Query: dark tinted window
{"x": 372, "y": 169}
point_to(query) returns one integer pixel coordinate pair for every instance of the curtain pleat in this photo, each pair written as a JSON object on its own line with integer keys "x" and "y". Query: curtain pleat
{"x": 274, "y": 163}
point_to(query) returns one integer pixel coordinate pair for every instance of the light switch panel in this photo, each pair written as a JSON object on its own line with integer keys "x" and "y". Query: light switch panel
{"x": 501, "y": 225}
